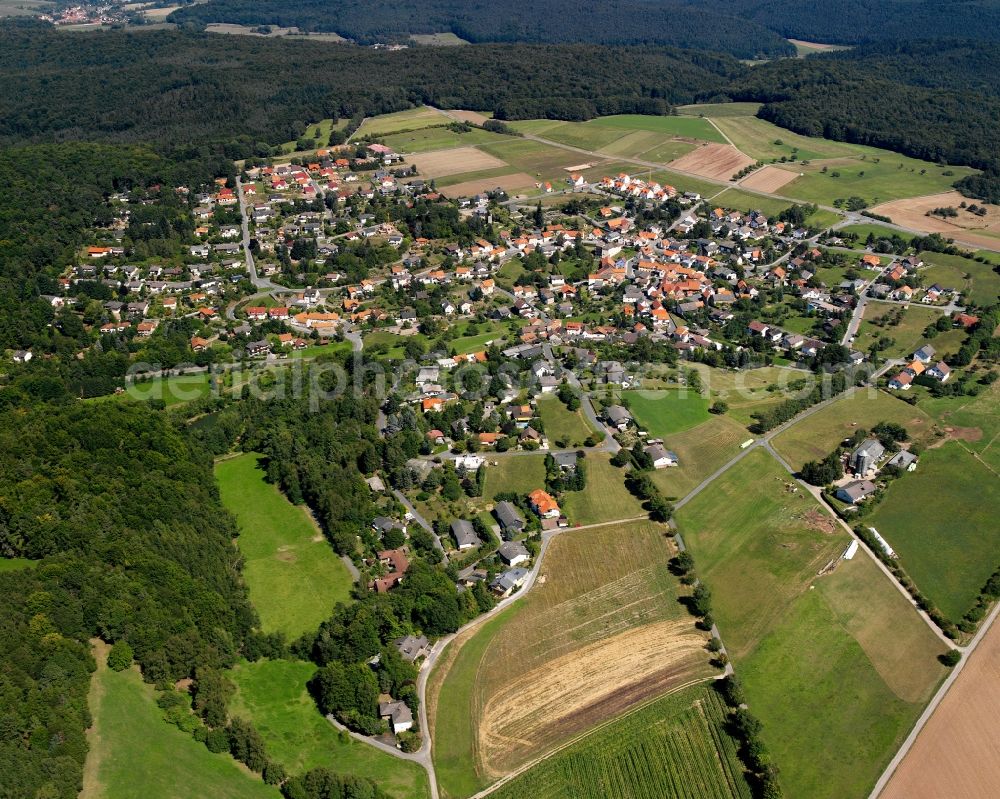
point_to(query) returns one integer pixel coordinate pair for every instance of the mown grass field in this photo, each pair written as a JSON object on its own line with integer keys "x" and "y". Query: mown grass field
{"x": 562, "y": 424}
{"x": 521, "y": 474}
{"x": 700, "y": 450}
{"x": 942, "y": 521}
{"x": 818, "y": 435}
{"x": 907, "y": 335}
{"x": 977, "y": 282}
{"x": 272, "y": 694}
{"x": 661, "y": 413}
{"x": 572, "y": 654}
{"x": 437, "y": 138}
{"x": 605, "y": 498}
{"x": 716, "y": 110}
{"x": 172, "y": 390}
{"x": 675, "y": 747}
{"x": 879, "y": 231}
{"x": 880, "y": 177}
{"x": 293, "y": 574}
{"x": 980, "y": 415}
{"x": 136, "y": 754}
{"x": 411, "y": 119}
{"x": 747, "y": 201}
{"x": 759, "y": 139}
{"x": 836, "y": 667}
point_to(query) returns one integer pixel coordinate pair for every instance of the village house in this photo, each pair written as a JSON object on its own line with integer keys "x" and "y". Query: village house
{"x": 513, "y": 553}
{"x": 543, "y": 504}
{"x": 510, "y": 518}
{"x": 397, "y": 714}
{"x": 396, "y": 563}
{"x": 464, "y": 534}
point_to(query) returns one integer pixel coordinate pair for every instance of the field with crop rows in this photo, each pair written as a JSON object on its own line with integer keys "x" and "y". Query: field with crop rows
{"x": 674, "y": 747}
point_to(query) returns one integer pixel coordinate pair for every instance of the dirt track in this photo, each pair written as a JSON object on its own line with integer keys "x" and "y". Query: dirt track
{"x": 958, "y": 753}
{"x": 715, "y": 161}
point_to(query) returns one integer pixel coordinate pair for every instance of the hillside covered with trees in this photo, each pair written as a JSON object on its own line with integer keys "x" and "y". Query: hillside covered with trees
{"x": 626, "y": 22}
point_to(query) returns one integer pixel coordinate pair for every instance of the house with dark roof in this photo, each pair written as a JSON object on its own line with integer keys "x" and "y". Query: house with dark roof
{"x": 504, "y": 584}
{"x": 513, "y": 553}
{"x": 856, "y": 491}
{"x": 617, "y": 416}
{"x": 397, "y": 714}
{"x": 464, "y": 534}
{"x": 661, "y": 456}
{"x": 510, "y": 518}
{"x": 412, "y": 647}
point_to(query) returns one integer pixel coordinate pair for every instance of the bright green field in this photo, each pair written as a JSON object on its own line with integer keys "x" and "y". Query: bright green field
{"x": 272, "y": 694}
{"x": 172, "y": 390}
{"x": 746, "y": 201}
{"x": 596, "y": 134}
{"x": 942, "y": 520}
{"x": 293, "y": 575}
{"x": 521, "y": 474}
{"x": 605, "y": 498}
{"x": 14, "y": 564}
{"x": 837, "y": 667}
{"x": 675, "y": 747}
{"x": 136, "y": 754}
{"x": 562, "y": 424}
{"x": 818, "y": 435}
{"x": 908, "y": 334}
{"x": 411, "y": 119}
{"x": 661, "y": 413}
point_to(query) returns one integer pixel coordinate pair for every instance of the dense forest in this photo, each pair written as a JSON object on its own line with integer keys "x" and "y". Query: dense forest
{"x": 134, "y": 546}
{"x": 857, "y": 21}
{"x": 533, "y": 21}
{"x": 167, "y": 87}
{"x": 743, "y": 28}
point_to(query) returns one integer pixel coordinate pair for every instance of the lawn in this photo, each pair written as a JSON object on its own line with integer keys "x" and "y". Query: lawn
{"x": 574, "y": 653}
{"x": 942, "y": 521}
{"x": 136, "y": 754}
{"x": 977, "y": 282}
{"x": 172, "y": 390}
{"x": 661, "y": 413}
{"x": 908, "y": 335}
{"x": 674, "y": 748}
{"x": 15, "y": 564}
{"x": 818, "y": 435}
{"x": 293, "y": 574}
{"x": 517, "y": 473}
{"x": 562, "y": 424}
{"x": 836, "y": 667}
{"x": 411, "y": 119}
{"x": 272, "y": 694}
{"x": 605, "y": 498}
{"x": 543, "y": 161}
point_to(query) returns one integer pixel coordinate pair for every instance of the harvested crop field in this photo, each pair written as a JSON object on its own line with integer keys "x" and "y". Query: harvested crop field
{"x": 509, "y": 183}
{"x": 768, "y": 179}
{"x": 442, "y": 163}
{"x": 475, "y": 117}
{"x": 981, "y": 231}
{"x": 958, "y": 752}
{"x": 715, "y": 161}
{"x": 582, "y": 688}
{"x": 597, "y": 636}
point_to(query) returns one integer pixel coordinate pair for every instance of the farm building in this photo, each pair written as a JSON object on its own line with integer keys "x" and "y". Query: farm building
{"x": 856, "y": 491}
{"x": 865, "y": 458}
